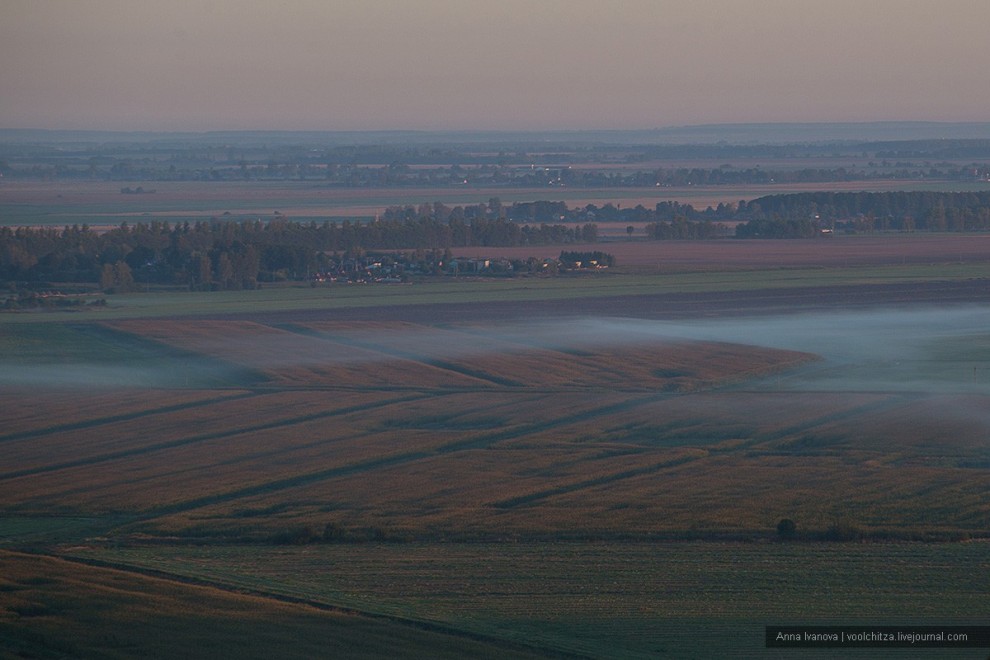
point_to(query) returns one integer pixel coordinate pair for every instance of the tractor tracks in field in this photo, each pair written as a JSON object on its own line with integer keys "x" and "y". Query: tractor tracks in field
{"x": 538, "y": 496}
{"x": 479, "y": 442}
{"x": 125, "y": 417}
{"x": 400, "y": 354}
{"x": 762, "y": 439}
{"x": 794, "y": 431}
{"x": 216, "y": 435}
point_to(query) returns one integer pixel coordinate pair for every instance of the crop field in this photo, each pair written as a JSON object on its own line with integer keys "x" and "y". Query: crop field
{"x": 589, "y": 466}
{"x": 338, "y": 401}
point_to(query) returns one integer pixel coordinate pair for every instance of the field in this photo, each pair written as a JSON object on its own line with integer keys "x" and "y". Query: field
{"x": 839, "y": 252}
{"x": 100, "y": 203}
{"x": 599, "y": 599}
{"x": 591, "y": 466}
{"x": 58, "y": 609}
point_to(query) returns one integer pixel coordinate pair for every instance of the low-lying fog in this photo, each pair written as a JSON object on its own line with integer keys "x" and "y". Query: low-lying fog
{"x": 931, "y": 349}
{"x": 924, "y": 349}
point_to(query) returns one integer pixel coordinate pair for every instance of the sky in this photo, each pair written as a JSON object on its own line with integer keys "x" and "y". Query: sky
{"x": 487, "y": 64}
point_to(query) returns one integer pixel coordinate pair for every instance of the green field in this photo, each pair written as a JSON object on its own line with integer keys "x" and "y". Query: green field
{"x": 51, "y": 608}
{"x": 286, "y": 298}
{"x": 605, "y": 599}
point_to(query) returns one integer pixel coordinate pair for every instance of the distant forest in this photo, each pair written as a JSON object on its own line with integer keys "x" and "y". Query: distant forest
{"x": 229, "y": 254}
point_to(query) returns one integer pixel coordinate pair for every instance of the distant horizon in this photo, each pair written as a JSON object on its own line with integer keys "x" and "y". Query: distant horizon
{"x": 729, "y": 132}
{"x": 495, "y": 129}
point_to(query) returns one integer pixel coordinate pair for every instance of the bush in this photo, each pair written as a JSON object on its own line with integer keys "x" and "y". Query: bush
{"x": 844, "y": 531}
{"x": 786, "y": 528}
{"x": 294, "y": 536}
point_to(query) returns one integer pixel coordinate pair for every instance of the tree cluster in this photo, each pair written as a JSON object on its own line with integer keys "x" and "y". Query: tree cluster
{"x": 593, "y": 259}
{"x": 804, "y": 214}
{"x": 232, "y": 255}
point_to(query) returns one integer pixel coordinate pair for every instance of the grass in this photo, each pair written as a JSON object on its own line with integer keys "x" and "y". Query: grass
{"x": 77, "y": 610}
{"x": 294, "y": 298}
{"x": 612, "y": 599}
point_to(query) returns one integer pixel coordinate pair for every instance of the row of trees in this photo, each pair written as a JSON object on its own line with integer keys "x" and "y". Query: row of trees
{"x": 806, "y": 213}
{"x": 227, "y": 254}
{"x": 780, "y": 216}
{"x": 219, "y": 254}
{"x": 784, "y": 216}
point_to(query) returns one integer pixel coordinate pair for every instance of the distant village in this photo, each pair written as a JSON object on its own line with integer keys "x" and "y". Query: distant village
{"x": 398, "y": 267}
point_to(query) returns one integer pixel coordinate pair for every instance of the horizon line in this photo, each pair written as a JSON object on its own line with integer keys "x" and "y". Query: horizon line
{"x": 671, "y": 127}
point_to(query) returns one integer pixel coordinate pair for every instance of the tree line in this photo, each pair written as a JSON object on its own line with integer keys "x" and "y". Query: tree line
{"x": 804, "y": 214}
{"x": 230, "y": 254}
{"x": 219, "y": 254}
{"x": 792, "y": 215}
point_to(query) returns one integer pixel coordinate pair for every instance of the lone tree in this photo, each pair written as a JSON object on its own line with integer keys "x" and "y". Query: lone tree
{"x": 786, "y": 528}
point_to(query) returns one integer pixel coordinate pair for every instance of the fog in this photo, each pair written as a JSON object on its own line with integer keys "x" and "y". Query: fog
{"x": 181, "y": 373}
{"x": 930, "y": 349}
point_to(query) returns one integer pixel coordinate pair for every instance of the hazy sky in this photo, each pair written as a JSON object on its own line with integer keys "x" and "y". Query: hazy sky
{"x": 495, "y": 64}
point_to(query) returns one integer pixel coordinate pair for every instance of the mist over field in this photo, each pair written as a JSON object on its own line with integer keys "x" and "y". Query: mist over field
{"x": 95, "y": 376}
{"x": 80, "y": 375}
{"x": 928, "y": 350}
{"x": 297, "y": 360}
{"x": 932, "y": 349}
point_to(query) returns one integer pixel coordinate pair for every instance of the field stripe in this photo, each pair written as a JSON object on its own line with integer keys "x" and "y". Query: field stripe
{"x": 892, "y": 401}
{"x": 486, "y": 441}
{"x": 780, "y": 434}
{"x": 403, "y": 355}
{"x": 172, "y": 444}
{"x": 483, "y": 442}
{"x": 572, "y": 353}
{"x": 532, "y": 498}
{"x": 124, "y": 417}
